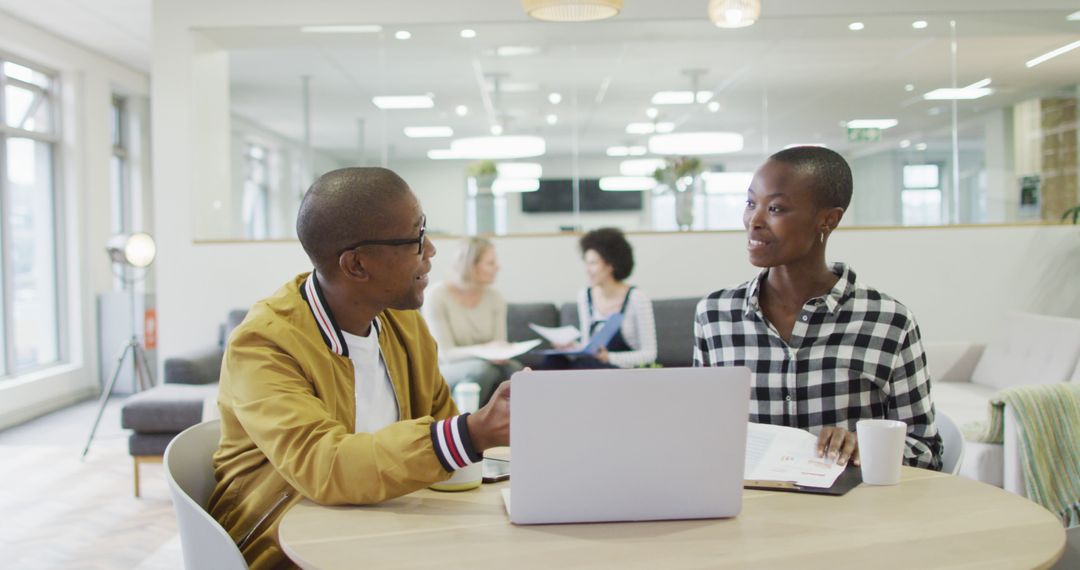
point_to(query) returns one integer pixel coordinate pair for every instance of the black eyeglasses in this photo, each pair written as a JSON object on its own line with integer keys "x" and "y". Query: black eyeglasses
{"x": 419, "y": 241}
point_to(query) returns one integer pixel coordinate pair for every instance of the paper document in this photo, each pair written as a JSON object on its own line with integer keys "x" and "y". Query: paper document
{"x": 598, "y": 340}
{"x": 500, "y": 351}
{"x": 778, "y": 453}
{"x": 557, "y": 335}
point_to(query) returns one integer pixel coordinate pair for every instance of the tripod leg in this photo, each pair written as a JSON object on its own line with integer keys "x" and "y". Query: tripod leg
{"x": 105, "y": 397}
{"x": 142, "y": 365}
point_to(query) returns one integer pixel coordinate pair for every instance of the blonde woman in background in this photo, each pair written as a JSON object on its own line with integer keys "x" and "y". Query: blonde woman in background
{"x": 465, "y": 311}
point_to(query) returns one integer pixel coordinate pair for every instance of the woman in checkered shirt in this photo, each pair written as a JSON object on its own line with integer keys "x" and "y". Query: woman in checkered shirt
{"x": 825, "y": 350}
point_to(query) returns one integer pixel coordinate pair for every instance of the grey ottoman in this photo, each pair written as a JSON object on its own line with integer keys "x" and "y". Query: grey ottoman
{"x": 158, "y": 414}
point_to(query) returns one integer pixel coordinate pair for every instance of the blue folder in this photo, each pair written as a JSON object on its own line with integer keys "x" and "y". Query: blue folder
{"x": 596, "y": 341}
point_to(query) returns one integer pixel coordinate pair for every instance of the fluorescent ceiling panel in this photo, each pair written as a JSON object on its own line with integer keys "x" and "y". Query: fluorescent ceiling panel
{"x": 354, "y": 29}
{"x": 960, "y": 94}
{"x": 696, "y": 143}
{"x": 640, "y": 166}
{"x": 872, "y": 123}
{"x": 1052, "y": 54}
{"x": 504, "y": 185}
{"x": 680, "y": 97}
{"x": 403, "y": 101}
{"x": 627, "y": 183}
{"x": 494, "y": 148}
{"x": 519, "y": 169}
{"x": 428, "y": 132}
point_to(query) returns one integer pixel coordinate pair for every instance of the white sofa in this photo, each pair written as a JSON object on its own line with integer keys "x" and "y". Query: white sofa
{"x": 1028, "y": 349}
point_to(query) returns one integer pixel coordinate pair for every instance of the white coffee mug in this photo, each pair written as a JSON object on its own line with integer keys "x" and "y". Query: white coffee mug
{"x": 881, "y": 450}
{"x": 463, "y": 479}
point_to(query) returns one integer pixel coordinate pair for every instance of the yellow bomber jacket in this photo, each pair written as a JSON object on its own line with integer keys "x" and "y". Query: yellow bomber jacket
{"x": 288, "y": 415}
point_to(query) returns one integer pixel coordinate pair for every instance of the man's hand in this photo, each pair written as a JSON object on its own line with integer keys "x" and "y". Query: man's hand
{"x": 838, "y": 444}
{"x": 490, "y": 426}
{"x": 602, "y": 355}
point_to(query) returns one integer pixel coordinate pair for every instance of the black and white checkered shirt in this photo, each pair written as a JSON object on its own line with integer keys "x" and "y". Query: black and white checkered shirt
{"x": 854, "y": 354}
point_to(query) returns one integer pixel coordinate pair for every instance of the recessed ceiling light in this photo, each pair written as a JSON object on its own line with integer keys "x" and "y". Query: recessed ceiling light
{"x": 461, "y": 110}
{"x": 516, "y": 51}
{"x": 640, "y": 166}
{"x": 402, "y": 35}
{"x": 872, "y": 123}
{"x": 856, "y": 26}
{"x": 714, "y": 106}
{"x": 468, "y": 34}
{"x": 919, "y": 24}
{"x": 652, "y": 112}
{"x": 920, "y": 146}
{"x": 637, "y": 150}
{"x": 551, "y": 119}
{"x": 504, "y": 185}
{"x": 627, "y": 183}
{"x": 519, "y": 169}
{"x": 905, "y": 143}
{"x": 680, "y": 97}
{"x": 1052, "y": 54}
{"x": 359, "y": 29}
{"x": 444, "y": 154}
{"x": 696, "y": 143}
{"x": 428, "y": 132}
{"x": 496, "y": 130}
{"x": 909, "y": 87}
{"x": 554, "y": 98}
{"x": 403, "y": 101}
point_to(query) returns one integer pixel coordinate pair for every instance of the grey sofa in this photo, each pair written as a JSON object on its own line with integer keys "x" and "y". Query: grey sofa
{"x": 156, "y": 415}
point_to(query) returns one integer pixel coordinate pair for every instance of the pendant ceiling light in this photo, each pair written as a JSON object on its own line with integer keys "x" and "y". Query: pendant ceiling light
{"x": 734, "y": 13}
{"x": 572, "y": 10}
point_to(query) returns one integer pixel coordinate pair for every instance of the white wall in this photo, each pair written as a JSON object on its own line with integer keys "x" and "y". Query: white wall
{"x": 88, "y": 81}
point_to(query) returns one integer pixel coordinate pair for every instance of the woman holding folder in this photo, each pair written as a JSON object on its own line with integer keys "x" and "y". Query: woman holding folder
{"x": 609, "y": 260}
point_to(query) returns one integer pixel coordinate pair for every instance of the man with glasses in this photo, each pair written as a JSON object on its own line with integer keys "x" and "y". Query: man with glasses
{"x": 330, "y": 388}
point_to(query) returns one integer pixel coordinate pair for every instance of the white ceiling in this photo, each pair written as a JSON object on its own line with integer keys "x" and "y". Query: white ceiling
{"x": 118, "y": 29}
{"x": 795, "y": 78}
{"x": 814, "y": 71}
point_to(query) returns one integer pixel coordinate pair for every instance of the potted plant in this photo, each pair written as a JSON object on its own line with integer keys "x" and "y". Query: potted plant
{"x": 1073, "y": 213}
{"x": 679, "y": 175}
{"x": 484, "y": 172}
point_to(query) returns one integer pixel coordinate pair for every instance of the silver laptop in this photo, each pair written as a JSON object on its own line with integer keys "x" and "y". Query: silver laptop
{"x": 627, "y": 445}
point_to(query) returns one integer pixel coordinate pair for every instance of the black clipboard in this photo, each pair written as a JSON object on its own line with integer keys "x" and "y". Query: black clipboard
{"x": 848, "y": 480}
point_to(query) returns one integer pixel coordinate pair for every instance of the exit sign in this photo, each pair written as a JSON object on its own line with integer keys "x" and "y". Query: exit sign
{"x": 863, "y": 135}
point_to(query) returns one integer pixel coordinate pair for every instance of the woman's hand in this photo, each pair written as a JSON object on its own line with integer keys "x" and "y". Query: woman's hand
{"x": 839, "y": 444}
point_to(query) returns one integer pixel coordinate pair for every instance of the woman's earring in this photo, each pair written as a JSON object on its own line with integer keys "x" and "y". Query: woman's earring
{"x": 822, "y": 237}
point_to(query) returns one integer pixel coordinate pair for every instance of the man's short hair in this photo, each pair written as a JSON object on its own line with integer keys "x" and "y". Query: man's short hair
{"x": 829, "y": 172}
{"x": 611, "y": 245}
{"x": 343, "y": 207}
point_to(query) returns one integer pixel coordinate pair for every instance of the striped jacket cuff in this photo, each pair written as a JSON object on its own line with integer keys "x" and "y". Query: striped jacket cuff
{"x": 453, "y": 446}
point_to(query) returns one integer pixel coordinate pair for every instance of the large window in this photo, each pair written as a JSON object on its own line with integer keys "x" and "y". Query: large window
{"x": 28, "y": 241}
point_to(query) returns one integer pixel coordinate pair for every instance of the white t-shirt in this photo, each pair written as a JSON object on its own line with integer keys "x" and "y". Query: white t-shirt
{"x": 376, "y": 403}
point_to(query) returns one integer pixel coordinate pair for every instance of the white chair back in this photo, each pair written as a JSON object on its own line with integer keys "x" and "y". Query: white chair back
{"x": 190, "y": 473}
{"x": 953, "y": 440}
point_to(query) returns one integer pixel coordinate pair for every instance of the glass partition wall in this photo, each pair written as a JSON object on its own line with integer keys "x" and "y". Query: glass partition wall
{"x": 536, "y": 128}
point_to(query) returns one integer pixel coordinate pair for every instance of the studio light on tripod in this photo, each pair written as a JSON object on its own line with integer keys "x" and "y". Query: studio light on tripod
{"x": 135, "y": 251}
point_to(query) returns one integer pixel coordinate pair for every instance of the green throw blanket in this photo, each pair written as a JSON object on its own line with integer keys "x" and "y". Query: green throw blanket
{"x": 1049, "y": 418}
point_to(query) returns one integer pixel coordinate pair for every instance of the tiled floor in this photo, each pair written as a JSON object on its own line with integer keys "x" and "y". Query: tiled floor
{"x": 63, "y": 512}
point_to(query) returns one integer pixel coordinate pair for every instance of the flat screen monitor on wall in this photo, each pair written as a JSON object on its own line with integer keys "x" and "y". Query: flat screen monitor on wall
{"x": 557, "y": 195}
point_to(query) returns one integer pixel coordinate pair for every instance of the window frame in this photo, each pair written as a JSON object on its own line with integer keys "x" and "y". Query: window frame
{"x": 54, "y": 139}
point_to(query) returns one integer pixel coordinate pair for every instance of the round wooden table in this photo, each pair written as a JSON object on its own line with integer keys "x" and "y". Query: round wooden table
{"x": 929, "y": 520}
